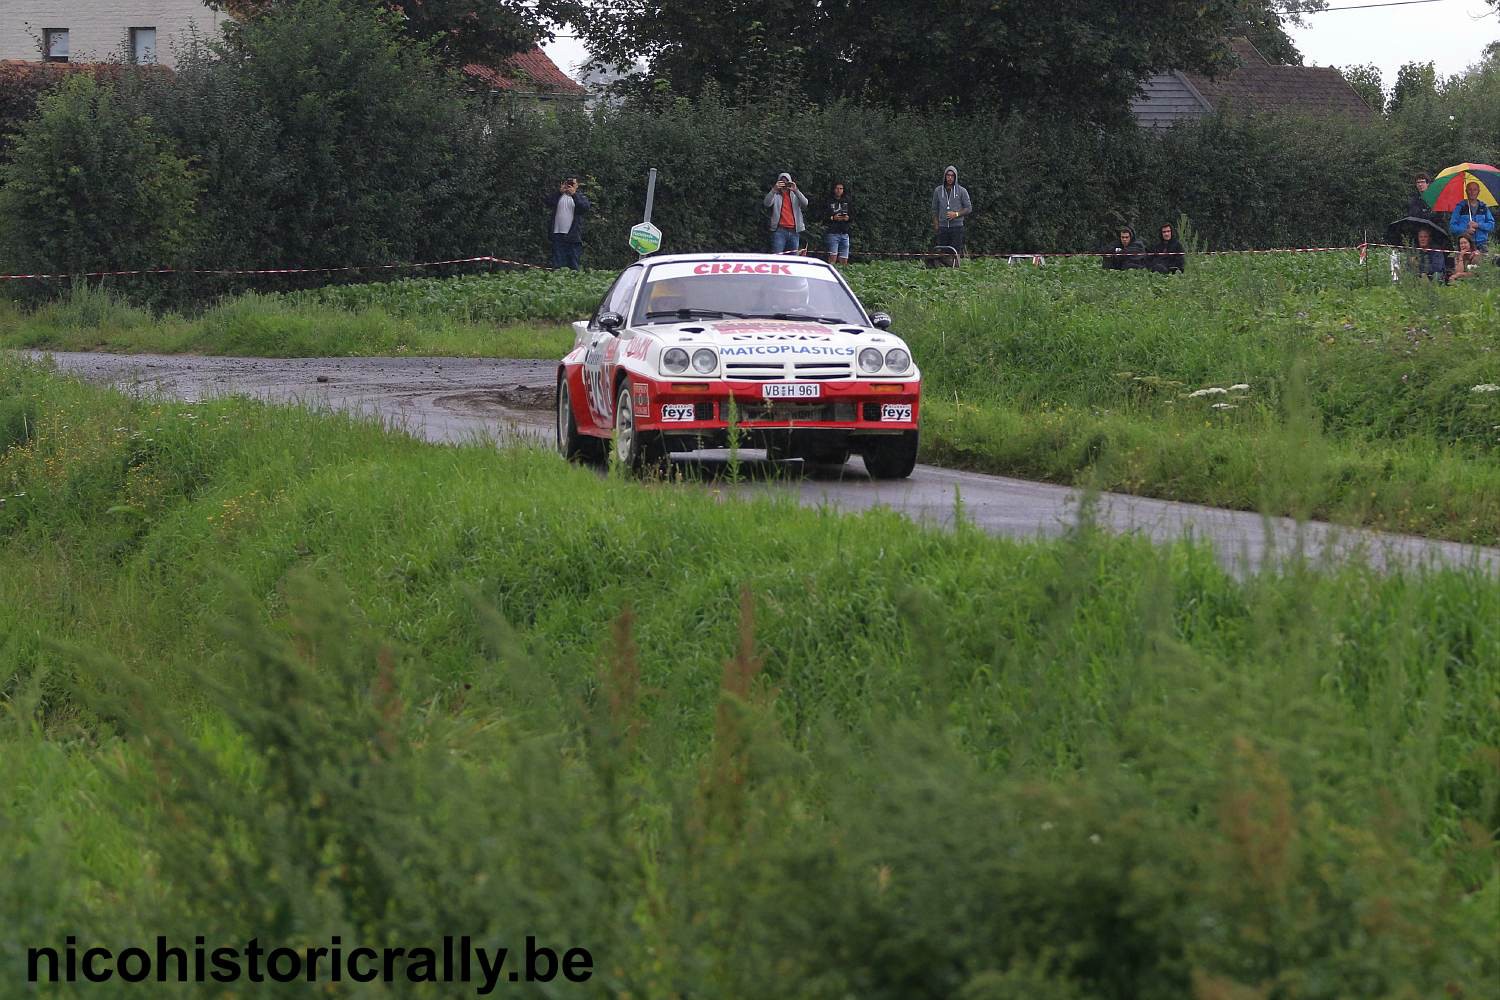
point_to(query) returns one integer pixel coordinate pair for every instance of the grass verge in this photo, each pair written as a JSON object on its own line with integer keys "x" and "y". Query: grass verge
{"x": 270, "y": 673}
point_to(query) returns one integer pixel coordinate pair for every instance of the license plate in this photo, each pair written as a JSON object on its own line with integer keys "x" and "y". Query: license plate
{"x": 676, "y": 413}
{"x": 896, "y": 411}
{"x": 791, "y": 390}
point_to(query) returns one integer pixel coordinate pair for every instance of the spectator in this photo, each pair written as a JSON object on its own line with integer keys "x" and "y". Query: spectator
{"x": 1416, "y": 207}
{"x": 1472, "y": 218}
{"x": 1431, "y": 262}
{"x": 786, "y": 204}
{"x": 1467, "y": 264}
{"x": 1123, "y": 255}
{"x": 1168, "y": 256}
{"x": 837, "y": 235}
{"x": 950, "y": 206}
{"x": 568, "y": 208}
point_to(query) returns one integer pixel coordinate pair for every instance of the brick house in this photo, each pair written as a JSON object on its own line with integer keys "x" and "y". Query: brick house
{"x": 1256, "y": 86}
{"x": 92, "y": 30}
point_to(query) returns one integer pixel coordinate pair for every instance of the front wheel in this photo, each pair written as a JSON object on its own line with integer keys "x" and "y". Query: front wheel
{"x": 634, "y": 449}
{"x": 571, "y": 443}
{"x": 892, "y": 457}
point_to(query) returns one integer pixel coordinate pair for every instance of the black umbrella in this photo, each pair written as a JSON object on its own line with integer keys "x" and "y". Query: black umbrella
{"x": 1405, "y": 231}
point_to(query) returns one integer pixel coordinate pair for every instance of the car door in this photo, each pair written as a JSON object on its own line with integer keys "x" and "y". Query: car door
{"x": 604, "y": 349}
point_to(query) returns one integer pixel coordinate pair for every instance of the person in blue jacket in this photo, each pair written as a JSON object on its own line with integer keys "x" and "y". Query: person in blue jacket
{"x": 1472, "y": 218}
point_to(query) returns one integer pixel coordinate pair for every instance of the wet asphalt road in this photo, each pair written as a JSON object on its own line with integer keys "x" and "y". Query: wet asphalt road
{"x": 460, "y": 399}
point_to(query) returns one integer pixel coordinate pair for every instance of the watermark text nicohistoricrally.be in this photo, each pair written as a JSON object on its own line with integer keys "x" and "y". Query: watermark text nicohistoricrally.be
{"x": 453, "y": 960}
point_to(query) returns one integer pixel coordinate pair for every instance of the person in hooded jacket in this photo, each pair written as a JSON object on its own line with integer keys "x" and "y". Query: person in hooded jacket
{"x": 786, "y": 204}
{"x": 1124, "y": 254}
{"x": 1167, "y": 255}
{"x": 950, "y": 206}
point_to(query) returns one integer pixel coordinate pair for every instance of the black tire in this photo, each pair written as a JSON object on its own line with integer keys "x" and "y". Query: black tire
{"x": 635, "y": 450}
{"x": 891, "y": 457}
{"x": 572, "y": 444}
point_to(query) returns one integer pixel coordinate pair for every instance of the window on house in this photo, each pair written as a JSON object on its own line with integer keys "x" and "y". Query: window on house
{"x": 143, "y": 45}
{"x": 55, "y": 44}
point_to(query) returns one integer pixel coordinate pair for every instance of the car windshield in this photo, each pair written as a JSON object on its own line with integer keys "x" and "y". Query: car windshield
{"x": 794, "y": 290}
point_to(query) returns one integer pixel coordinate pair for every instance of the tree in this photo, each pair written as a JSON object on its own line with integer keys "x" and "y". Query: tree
{"x": 1366, "y": 81}
{"x": 1414, "y": 82}
{"x": 458, "y": 31}
{"x": 89, "y": 185}
{"x": 1082, "y": 58}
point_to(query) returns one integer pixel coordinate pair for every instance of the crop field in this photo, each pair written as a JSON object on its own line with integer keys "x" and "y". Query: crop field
{"x": 1300, "y": 385}
{"x": 269, "y": 672}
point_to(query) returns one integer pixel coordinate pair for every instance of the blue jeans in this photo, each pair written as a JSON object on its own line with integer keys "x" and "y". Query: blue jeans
{"x": 565, "y": 254}
{"x": 783, "y": 240}
{"x": 838, "y": 244}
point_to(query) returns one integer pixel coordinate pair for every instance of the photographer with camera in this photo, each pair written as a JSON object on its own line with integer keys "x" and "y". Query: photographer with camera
{"x": 567, "y": 208}
{"x": 786, "y": 204}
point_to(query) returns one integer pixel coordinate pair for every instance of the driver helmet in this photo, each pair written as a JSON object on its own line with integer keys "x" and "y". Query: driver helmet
{"x": 667, "y": 296}
{"x": 788, "y": 294}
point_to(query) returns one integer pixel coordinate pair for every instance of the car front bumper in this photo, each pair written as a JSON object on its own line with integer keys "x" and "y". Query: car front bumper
{"x": 707, "y": 408}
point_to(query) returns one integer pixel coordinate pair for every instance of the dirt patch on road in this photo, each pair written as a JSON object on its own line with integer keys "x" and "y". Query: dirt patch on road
{"x": 517, "y": 397}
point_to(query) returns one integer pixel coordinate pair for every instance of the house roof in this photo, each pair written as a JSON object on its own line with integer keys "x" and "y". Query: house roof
{"x": 1259, "y": 86}
{"x": 530, "y": 72}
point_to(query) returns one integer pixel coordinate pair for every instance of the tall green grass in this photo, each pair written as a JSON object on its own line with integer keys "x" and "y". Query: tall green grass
{"x": 272, "y": 673}
{"x": 278, "y": 326}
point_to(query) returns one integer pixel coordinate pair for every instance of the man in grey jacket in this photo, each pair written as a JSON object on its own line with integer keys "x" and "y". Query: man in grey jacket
{"x": 950, "y": 205}
{"x": 786, "y": 204}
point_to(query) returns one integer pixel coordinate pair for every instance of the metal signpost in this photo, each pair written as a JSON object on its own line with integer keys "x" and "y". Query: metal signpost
{"x": 644, "y": 237}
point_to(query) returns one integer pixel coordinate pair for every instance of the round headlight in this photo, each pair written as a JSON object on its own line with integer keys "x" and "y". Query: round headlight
{"x": 704, "y": 361}
{"x": 897, "y": 360}
{"x": 870, "y": 360}
{"x": 674, "y": 360}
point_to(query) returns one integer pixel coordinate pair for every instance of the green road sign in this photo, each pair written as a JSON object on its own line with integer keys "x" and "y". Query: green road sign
{"x": 645, "y": 238}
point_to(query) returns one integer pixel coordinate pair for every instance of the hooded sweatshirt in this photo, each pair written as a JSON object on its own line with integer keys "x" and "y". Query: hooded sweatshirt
{"x": 955, "y": 200}
{"x": 1172, "y": 258}
{"x": 1121, "y": 254}
{"x": 773, "y": 202}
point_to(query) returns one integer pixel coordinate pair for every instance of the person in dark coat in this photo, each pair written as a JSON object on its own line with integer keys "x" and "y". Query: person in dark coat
{"x": 1168, "y": 256}
{"x": 1431, "y": 262}
{"x": 565, "y": 209}
{"x": 1417, "y": 207}
{"x": 1124, "y": 254}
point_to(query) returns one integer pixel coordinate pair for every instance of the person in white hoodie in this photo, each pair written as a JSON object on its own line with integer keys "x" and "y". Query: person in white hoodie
{"x": 950, "y": 206}
{"x": 786, "y": 204}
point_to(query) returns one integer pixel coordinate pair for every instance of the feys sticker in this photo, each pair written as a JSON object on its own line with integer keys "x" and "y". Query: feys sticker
{"x": 677, "y": 413}
{"x": 898, "y": 412}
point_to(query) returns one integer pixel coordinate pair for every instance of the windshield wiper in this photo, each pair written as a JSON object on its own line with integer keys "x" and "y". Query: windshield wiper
{"x": 798, "y": 317}
{"x": 689, "y": 314}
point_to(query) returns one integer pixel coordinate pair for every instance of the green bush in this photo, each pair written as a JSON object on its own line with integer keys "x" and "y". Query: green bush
{"x": 93, "y": 185}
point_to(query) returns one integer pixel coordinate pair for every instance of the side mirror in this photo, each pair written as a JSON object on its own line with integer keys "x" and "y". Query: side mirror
{"x": 611, "y": 321}
{"x": 881, "y": 321}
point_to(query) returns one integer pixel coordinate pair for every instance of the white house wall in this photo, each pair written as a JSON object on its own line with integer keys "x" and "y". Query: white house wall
{"x": 99, "y": 29}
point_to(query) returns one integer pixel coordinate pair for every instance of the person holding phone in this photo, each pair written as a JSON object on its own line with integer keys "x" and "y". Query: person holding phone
{"x": 786, "y": 204}
{"x": 836, "y": 233}
{"x": 567, "y": 208}
{"x": 950, "y": 206}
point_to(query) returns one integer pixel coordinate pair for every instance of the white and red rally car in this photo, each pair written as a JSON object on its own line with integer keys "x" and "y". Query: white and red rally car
{"x": 682, "y": 346}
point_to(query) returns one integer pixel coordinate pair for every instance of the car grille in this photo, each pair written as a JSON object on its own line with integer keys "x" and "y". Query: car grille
{"x": 789, "y": 412}
{"x": 760, "y": 371}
